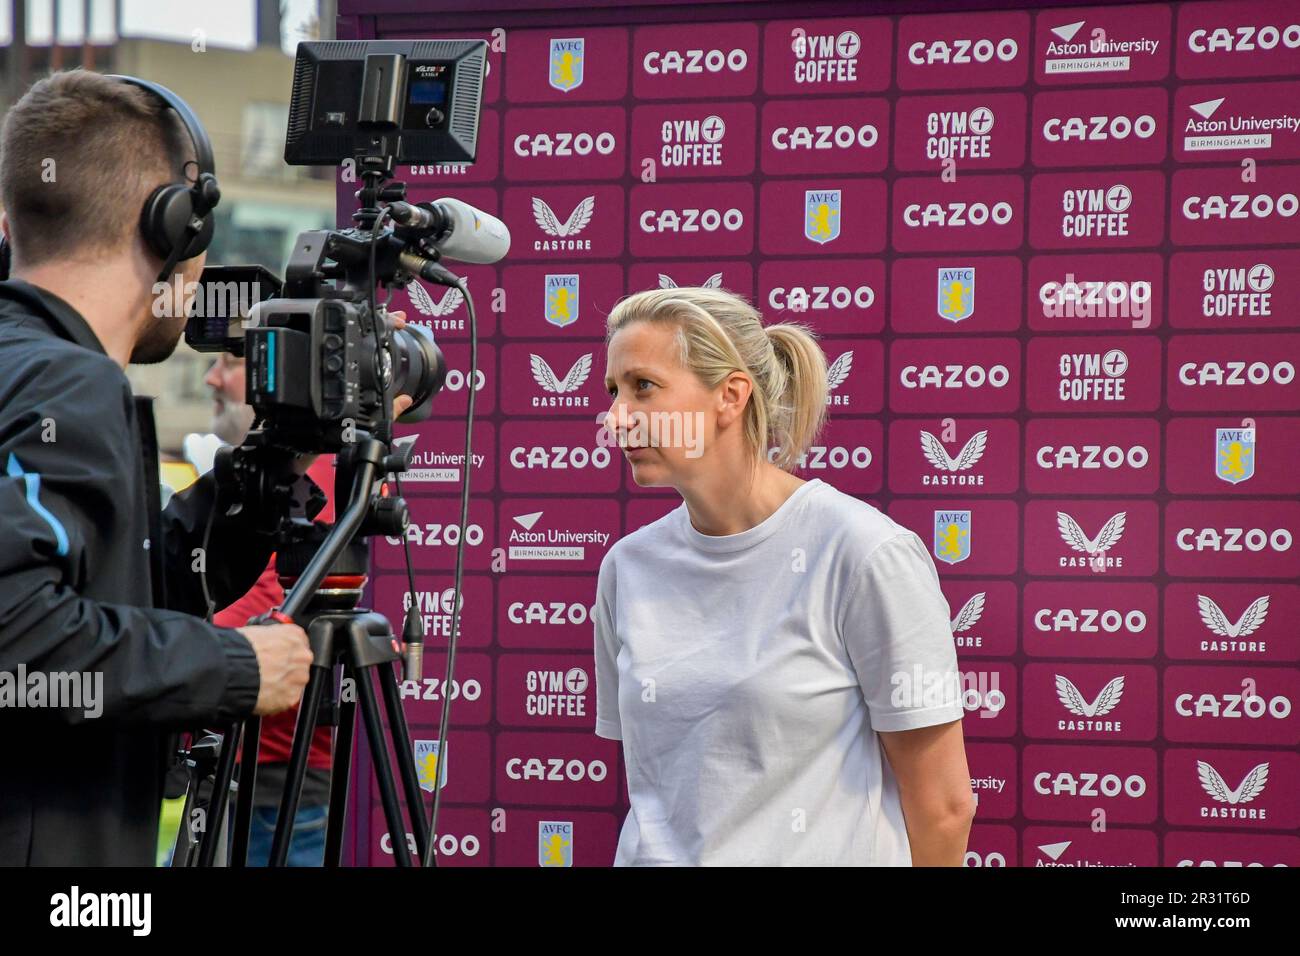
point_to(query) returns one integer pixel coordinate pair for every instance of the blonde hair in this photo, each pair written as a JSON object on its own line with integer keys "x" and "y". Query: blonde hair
{"x": 718, "y": 333}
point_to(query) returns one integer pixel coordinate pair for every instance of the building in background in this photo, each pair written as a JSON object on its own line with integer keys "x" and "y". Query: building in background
{"x": 242, "y": 97}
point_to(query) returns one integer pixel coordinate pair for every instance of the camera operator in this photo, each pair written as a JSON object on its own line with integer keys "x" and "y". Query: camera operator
{"x": 88, "y": 560}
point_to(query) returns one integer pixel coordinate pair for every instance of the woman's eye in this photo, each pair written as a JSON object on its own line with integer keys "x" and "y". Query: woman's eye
{"x": 643, "y": 381}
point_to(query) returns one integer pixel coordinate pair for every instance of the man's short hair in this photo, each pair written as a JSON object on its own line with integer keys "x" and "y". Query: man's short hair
{"x": 79, "y": 155}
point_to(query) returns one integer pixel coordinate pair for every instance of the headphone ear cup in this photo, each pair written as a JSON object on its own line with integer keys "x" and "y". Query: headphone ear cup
{"x": 164, "y": 217}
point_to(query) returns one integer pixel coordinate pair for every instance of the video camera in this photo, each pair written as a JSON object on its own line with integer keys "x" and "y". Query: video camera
{"x": 323, "y": 360}
{"x": 324, "y": 363}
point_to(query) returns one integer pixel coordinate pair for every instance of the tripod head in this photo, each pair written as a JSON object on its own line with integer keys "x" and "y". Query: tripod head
{"x": 324, "y": 566}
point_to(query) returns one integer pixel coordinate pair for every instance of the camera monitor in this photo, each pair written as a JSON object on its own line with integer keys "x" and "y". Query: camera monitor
{"x": 411, "y": 101}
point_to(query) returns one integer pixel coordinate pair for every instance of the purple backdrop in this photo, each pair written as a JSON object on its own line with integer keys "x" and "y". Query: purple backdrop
{"x": 1042, "y": 247}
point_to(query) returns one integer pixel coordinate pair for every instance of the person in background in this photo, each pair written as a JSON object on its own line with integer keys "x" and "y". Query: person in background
{"x": 231, "y": 420}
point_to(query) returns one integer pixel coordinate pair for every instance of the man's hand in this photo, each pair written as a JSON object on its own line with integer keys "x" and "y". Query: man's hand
{"x": 401, "y": 403}
{"x": 283, "y": 662}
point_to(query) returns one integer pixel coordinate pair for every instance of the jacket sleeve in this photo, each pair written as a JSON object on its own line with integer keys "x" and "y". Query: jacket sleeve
{"x": 61, "y": 503}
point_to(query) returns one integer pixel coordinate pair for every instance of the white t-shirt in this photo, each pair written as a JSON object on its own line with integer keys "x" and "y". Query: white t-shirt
{"x": 747, "y": 675}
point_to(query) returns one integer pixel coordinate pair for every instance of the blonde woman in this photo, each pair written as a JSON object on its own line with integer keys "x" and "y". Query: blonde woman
{"x": 775, "y": 655}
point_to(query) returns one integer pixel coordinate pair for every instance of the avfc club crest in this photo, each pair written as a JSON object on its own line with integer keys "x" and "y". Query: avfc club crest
{"x": 956, "y": 294}
{"x": 429, "y": 764}
{"x": 1234, "y": 454}
{"x": 554, "y": 843}
{"x": 566, "y": 63}
{"x": 952, "y": 540}
{"x": 821, "y": 215}
{"x": 561, "y": 301}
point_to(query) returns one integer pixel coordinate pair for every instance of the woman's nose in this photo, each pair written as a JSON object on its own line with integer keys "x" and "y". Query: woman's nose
{"x": 616, "y": 419}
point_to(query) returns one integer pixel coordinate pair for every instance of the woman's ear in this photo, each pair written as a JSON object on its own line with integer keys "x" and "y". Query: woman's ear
{"x": 733, "y": 395}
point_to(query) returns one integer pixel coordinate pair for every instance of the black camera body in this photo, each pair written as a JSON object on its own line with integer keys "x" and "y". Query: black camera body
{"x": 321, "y": 365}
{"x": 316, "y": 377}
{"x": 324, "y": 361}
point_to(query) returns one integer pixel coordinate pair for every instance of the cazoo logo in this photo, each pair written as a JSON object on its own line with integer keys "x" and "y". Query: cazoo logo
{"x": 691, "y": 220}
{"x": 552, "y": 612}
{"x": 456, "y": 379}
{"x": 825, "y": 137}
{"x": 1089, "y": 620}
{"x": 564, "y": 144}
{"x": 1241, "y": 206}
{"x": 1236, "y": 373}
{"x": 962, "y": 51}
{"x": 833, "y": 457}
{"x": 558, "y": 458}
{"x": 1244, "y": 39}
{"x": 954, "y": 376}
{"x": 821, "y": 298}
{"x": 435, "y": 535}
{"x": 556, "y": 769}
{"x": 1233, "y": 539}
{"x": 1100, "y": 128}
{"x": 1089, "y": 783}
{"x": 1232, "y": 706}
{"x": 956, "y": 214}
{"x": 448, "y": 845}
{"x": 1092, "y": 457}
{"x": 694, "y": 62}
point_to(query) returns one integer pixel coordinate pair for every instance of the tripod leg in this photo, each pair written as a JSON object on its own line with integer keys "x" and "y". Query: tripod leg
{"x": 383, "y": 769}
{"x": 183, "y": 852}
{"x": 214, "y": 823}
{"x": 244, "y": 794}
{"x": 341, "y": 772}
{"x": 405, "y": 758}
{"x": 303, "y": 731}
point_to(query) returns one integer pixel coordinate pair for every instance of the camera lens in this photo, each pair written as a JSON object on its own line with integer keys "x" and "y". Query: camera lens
{"x": 418, "y": 369}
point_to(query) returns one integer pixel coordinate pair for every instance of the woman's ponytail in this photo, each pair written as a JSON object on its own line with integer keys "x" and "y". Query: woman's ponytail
{"x": 800, "y": 410}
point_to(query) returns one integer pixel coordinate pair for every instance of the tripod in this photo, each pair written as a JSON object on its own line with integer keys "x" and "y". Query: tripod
{"x": 330, "y": 574}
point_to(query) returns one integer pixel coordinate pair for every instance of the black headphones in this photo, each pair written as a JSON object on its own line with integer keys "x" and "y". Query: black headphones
{"x": 176, "y": 220}
{"x": 177, "y": 217}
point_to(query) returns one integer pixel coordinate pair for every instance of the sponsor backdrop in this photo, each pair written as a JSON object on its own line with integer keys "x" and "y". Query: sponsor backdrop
{"x": 1054, "y": 258}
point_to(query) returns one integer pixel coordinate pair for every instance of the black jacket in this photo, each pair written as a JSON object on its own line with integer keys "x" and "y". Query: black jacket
{"x": 86, "y": 555}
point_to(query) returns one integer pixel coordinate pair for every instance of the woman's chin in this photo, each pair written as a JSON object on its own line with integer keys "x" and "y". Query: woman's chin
{"x": 646, "y": 475}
